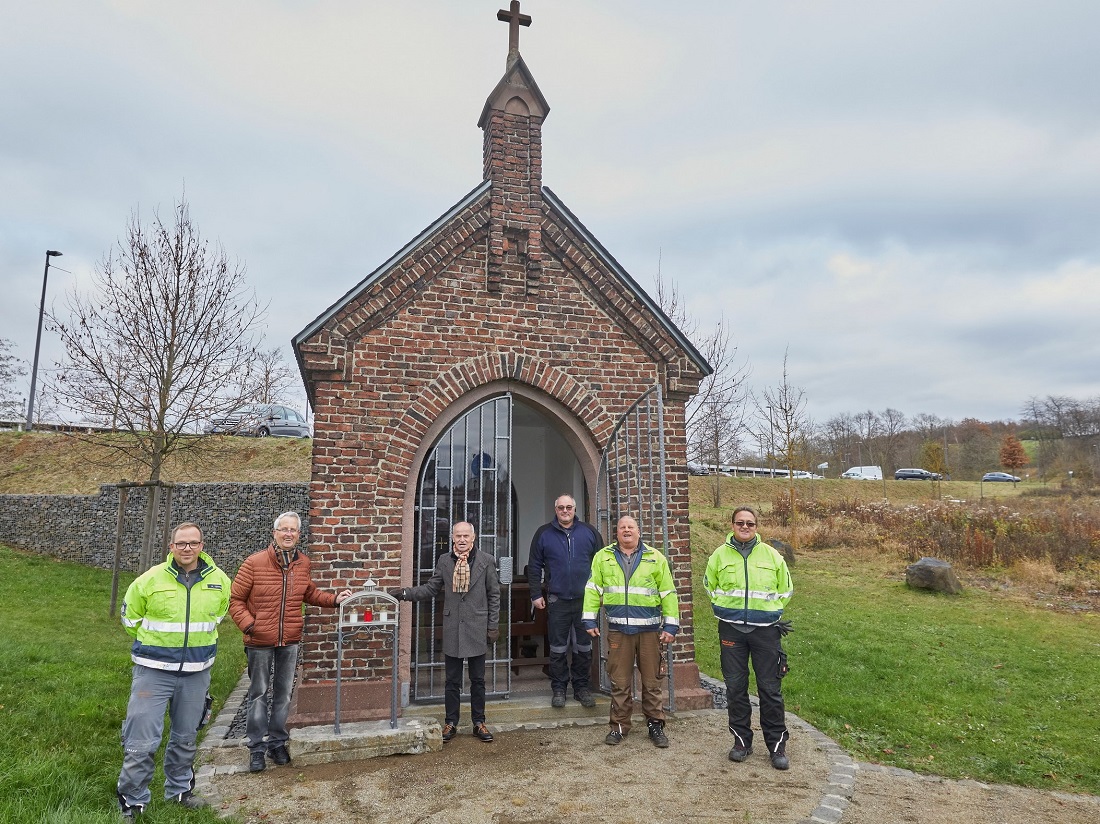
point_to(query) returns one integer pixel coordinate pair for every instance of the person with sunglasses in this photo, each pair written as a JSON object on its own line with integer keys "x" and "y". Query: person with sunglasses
{"x": 562, "y": 551}
{"x": 749, "y": 585}
{"x": 172, "y": 611}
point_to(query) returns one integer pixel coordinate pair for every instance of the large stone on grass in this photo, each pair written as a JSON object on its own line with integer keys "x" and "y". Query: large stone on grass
{"x": 784, "y": 549}
{"x": 932, "y": 573}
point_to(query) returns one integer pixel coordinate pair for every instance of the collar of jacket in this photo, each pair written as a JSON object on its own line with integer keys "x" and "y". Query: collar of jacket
{"x": 204, "y": 564}
{"x": 283, "y": 559}
{"x": 469, "y": 558}
{"x": 746, "y": 546}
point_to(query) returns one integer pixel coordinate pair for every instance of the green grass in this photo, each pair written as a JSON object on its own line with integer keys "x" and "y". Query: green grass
{"x": 64, "y": 684}
{"x": 976, "y": 686}
{"x": 973, "y": 686}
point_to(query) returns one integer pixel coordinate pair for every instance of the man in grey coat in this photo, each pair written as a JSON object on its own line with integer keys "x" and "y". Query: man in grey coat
{"x": 471, "y": 613}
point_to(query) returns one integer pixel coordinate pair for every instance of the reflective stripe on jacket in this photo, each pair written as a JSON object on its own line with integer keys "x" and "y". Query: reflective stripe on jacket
{"x": 645, "y": 603}
{"x": 749, "y": 590}
{"x": 175, "y": 626}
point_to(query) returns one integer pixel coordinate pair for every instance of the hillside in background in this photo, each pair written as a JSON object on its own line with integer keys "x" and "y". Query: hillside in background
{"x": 58, "y": 463}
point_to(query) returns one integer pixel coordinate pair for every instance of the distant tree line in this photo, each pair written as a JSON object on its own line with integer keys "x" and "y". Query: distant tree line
{"x": 1054, "y": 436}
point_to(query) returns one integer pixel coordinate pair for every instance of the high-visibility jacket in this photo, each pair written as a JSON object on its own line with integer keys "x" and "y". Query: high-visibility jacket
{"x": 749, "y": 590}
{"x": 175, "y": 626}
{"x": 645, "y": 603}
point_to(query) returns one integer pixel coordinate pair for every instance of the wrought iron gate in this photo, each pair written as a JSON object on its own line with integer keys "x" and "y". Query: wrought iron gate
{"x": 632, "y": 482}
{"x": 467, "y": 476}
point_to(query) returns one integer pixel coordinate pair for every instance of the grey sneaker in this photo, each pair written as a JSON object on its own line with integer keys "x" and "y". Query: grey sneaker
{"x": 190, "y": 801}
{"x": 558, "y": 701}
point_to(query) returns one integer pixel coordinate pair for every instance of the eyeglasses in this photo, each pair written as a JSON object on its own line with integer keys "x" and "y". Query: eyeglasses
{"x": 286, "y": 529}
{"x": 565, "y": 507}
{"x": 744, "y": 523}
{"x": 188, "y": 544}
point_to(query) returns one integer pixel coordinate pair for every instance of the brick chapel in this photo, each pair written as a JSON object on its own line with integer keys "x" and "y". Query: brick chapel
{"x": 501, "y": 358}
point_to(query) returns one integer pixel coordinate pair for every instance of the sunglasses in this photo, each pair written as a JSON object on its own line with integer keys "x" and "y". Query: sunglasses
{"x": 744, "y": 523}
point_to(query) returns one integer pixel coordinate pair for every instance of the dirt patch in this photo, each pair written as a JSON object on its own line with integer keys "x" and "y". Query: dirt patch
{"x": 570, "y": 775}
{"x": 882, "y": 796}
{"x": 565, "y": 774}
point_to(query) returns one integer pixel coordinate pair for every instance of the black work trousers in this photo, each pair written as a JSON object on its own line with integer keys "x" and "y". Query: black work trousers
{"x": 762, "y": 645}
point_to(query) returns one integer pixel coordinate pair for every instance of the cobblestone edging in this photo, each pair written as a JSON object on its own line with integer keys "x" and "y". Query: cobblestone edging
{"x": 841, "y": 781}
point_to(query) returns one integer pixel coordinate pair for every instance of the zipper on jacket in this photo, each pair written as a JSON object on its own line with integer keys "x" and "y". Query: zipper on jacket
{"x": 186, "y": 618}
{"x": 282, "y": 605}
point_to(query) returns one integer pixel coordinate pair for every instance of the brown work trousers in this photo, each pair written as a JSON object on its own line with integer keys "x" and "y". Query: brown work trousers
{"x": 622, "y": 652}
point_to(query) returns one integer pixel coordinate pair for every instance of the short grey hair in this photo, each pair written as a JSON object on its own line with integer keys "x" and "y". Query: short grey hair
{"x": 293, "y": 515}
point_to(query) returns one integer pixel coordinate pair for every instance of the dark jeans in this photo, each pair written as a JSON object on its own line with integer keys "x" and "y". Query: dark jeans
{"x": 266, "y": 727}
{"x": 563, "y": 625}
{"x": 762, "y": 646}
{"x": 453, "y": 689}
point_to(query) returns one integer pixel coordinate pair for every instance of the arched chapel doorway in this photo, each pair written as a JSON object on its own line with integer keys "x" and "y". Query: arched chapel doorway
{"x": 499, "y": 465}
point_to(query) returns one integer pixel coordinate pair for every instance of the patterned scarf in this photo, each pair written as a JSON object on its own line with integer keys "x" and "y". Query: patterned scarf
{"x": 460, "y": 582}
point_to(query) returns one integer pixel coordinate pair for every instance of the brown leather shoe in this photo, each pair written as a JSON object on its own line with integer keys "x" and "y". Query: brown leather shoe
{"x": 449, "y": 731}
{"x": 482, "y": 733}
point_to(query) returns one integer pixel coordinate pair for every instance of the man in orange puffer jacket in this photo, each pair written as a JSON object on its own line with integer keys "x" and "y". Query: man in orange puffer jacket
{"x": 266, "y": 603}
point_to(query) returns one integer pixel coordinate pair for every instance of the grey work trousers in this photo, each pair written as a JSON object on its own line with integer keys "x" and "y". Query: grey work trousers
{"x": 152, "y": 692}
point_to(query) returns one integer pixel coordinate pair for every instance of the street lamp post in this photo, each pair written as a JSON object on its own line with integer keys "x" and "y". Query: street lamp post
{"x": 38, "y": 338}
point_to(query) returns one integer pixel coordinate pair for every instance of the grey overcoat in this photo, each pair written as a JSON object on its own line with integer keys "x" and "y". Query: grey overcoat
{"x": 467, "y": 616}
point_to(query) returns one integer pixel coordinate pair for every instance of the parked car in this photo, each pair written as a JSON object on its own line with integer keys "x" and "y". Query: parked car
{"x": 999, "y": 477}
{"x": 260, "y": 420}
{"x": 864, "y": 473}
{"x": 916, "y": 475}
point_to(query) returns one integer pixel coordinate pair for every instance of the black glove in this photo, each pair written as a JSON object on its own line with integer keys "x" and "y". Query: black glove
{"x": 492, "y": 635}
{"x": 399, "y": 594}
{"x": 784, "y": 627}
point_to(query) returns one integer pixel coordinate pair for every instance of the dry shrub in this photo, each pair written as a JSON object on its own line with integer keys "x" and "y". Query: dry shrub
{"x": 1038, "y": 572}
{"x": 1066, "y": 534}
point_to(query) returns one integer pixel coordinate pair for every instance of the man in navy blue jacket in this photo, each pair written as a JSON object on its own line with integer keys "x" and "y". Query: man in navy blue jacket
{"x": 563, "y": 549}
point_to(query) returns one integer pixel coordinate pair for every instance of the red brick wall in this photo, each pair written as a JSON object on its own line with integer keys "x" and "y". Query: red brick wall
{"x": 483, "y": 301}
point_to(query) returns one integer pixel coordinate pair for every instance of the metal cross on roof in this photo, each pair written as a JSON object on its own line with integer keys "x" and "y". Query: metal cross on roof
{"x": 514, "y": 20}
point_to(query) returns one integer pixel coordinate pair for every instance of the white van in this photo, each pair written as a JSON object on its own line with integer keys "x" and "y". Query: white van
{"x": 864, "y": 473}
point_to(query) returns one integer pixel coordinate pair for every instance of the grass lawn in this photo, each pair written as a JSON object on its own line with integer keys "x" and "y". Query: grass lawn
{"x": 967, "y": 686}
{"x": 64, "y": 683}
{"x": 975, "y": 685}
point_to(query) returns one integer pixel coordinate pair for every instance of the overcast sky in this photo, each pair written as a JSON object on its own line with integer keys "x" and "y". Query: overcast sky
{"x": 906, "y": 195}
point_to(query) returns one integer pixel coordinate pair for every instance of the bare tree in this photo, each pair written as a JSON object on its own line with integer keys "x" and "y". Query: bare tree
{"x": 274, "y": 379}
{"x": 791, "y": 426}
{"x": 166, "y": 339}
{"x": 715, "y": 417}
{"x": 892, "y": 423}
{"x": 868, "y": 429}
{"x": 11, "y": 369}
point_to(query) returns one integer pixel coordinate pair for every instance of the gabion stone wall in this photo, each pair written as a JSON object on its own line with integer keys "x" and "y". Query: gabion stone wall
{"x": 236, "y": 521}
